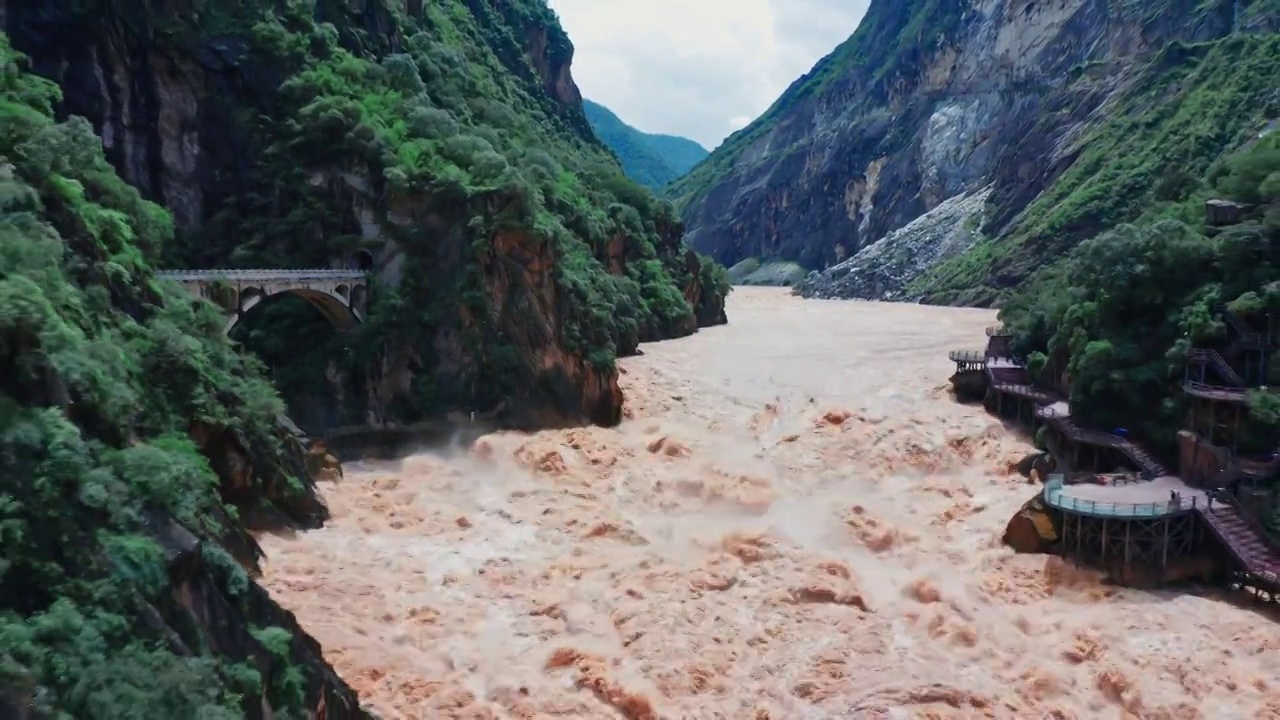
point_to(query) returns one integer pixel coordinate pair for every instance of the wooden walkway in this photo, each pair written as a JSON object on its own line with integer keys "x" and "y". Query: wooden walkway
{"x": 1257, "y": 559}
{"x": 1009, "y": 377}
{"x": 1221, "y": 393}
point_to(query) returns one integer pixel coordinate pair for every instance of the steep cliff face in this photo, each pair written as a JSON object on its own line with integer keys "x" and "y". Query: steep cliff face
{"x": 991, "y": 106}
{"x": 447, "y": 139}
{"x": 138, "y": 451}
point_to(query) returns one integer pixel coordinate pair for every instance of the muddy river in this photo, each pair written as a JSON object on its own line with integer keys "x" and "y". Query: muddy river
{"x": 795, "y": 521}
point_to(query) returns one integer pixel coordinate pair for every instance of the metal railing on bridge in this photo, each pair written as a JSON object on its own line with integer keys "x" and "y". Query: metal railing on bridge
{"x": 252, "y": 274}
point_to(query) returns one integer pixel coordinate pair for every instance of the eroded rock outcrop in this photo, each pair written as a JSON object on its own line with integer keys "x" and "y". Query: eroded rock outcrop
{"x": 1033, "y": 529}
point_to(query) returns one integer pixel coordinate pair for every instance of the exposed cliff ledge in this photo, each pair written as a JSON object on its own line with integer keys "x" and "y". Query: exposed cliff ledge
{"x": 448, "y": 139}
{"x": 1073, "y": 111}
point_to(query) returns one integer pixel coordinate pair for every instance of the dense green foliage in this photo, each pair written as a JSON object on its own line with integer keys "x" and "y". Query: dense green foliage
{"x": 103, "y": 373}
{"x": 1120, "y": 313}
{"x": 651, "y": 160}
{"x": 1189, "y": 105}
{"x": 453, "y": 131}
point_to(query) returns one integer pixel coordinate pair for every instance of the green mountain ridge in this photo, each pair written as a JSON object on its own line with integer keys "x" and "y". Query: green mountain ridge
{"x": 653, "y": 160}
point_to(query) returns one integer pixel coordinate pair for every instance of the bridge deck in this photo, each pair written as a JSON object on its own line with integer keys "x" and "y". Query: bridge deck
{"x": 262, "y": 274}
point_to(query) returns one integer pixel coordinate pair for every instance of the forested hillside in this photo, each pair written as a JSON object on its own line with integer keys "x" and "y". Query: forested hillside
{"x": 652, "y": 160}
{"x": 1114, "y": 321}
{"x": 514, "y": 260}
{"x": 136, "y": 448}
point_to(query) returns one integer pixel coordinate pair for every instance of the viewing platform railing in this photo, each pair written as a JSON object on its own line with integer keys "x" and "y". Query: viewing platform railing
{"x": 1209, "y": 391}
{"x": 1054, "y": 497}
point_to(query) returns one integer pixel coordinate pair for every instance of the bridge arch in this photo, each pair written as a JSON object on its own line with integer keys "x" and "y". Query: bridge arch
{"x": 335, "y": 307}
{"x": 339, "y": 295}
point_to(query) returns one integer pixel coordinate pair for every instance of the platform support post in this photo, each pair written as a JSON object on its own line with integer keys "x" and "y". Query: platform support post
{"x": 1126, "y": 543}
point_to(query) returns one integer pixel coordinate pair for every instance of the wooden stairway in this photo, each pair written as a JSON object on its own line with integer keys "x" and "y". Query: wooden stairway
{"x": 1151, "y": 467}
{"x": 1211, "y": 358}
{"x": 1245, "y": 541}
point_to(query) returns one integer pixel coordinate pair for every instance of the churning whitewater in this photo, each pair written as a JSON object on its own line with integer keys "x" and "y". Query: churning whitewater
{"x": 794, "y": 521}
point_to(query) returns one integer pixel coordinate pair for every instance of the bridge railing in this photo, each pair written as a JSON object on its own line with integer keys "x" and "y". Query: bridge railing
{"x": 1054, "y": 496}
{"x": 967, "y": 356}
{"x": 262, "y": 274}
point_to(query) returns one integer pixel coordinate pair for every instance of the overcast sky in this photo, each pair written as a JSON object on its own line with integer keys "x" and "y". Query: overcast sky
{"x": 698, "y": 68}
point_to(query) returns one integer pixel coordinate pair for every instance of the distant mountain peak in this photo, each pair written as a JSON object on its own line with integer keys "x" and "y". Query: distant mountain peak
{"x": 651, "y": 159}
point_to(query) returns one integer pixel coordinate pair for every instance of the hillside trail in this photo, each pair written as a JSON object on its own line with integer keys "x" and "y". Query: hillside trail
{"x": 795, "y": 521}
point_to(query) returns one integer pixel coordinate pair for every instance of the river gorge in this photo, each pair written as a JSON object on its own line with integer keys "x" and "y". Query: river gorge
{"x": 794, "y": 520}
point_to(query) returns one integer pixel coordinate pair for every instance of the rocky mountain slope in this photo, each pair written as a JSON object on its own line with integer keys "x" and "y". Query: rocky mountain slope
{"x": 652, "y": 160}
{"x": 138, "y": 450}
{"x": 514, "y": 260}
{"x": 1046, "y": 122}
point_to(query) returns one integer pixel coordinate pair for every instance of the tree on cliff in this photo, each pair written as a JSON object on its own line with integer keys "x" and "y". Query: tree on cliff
{"x": 114, "y": 391}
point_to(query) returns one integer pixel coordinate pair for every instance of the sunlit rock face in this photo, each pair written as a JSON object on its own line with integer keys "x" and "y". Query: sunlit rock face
{"x": 928, "y": 105}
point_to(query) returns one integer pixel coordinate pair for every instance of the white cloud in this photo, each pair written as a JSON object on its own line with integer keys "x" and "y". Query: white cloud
{"x": 698, "y": 68}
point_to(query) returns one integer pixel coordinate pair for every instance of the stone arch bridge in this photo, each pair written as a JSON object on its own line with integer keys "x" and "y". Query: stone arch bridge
{"x": 340, "y": 295}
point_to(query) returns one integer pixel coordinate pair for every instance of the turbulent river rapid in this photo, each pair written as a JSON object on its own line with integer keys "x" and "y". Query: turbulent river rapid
{"x": 794, "y": 521}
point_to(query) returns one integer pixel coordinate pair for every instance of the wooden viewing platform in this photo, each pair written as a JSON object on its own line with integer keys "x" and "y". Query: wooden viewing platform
{"x": 1156, "y": 526}
{"x": 1141, "y": 499}
{"x": 968, "y": 360}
